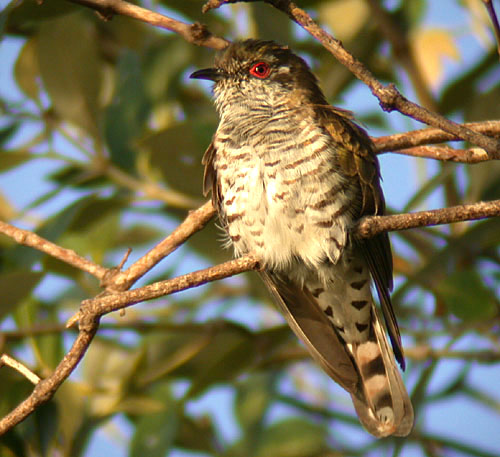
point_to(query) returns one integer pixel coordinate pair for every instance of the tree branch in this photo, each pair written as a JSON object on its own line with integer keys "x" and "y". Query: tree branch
{"x": 91, "y": 310}
{"x": 401, "y": 49}
{"x": 373, "y": 225}
{"x": 195, "y": 221}
{"x": 46, "y": 388}
{"x": 117, "y": 282}
{"x": 19, "y": 367}
{"x": 447, "y": 154}
{"x": 389, "y": 97}
{"x": 431, "y": 136}
{"x": 196, "y": 33}
{"x": 27, "y": 238}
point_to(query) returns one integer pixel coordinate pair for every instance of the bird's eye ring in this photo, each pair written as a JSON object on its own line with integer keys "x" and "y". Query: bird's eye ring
{"x": 260, "y": 70}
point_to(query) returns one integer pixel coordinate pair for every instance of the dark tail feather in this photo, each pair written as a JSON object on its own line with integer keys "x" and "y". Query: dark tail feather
{"x": 367, "y": 371}
{"x": 382, "y": 403}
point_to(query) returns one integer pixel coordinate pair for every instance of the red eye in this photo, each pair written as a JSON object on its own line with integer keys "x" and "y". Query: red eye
{"x": 260, "y": 70}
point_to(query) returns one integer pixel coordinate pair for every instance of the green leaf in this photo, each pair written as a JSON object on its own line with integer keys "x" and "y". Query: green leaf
{"x": 12, "y": 159}
{"x": 6, "y": 133}
{"x": 71, "y": 69}
{"x": 176, "y": 153}
{"x": 196, "y": 434}
{"x": 155, "y": 433}
{"x": 51, "y": 230}
{"x": 480, "y": 108}
{"x": 467, "y": 297}
{"x": 294, "y": 437}
{"x": 27, "y": 70}
{"x": 270, "y": 24}
{"x": 26, "y": 16}
{"x": 253, "y": 397}
{"x": 126, "y": 116}
{"x": 46, "y": 419}
{"x": 15, "y": 287}
{"x": 12, "y": 444}
{"x": 76, "y": 176}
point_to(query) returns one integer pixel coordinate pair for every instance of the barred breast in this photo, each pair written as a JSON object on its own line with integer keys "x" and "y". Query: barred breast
{"x": 282, "y": 196}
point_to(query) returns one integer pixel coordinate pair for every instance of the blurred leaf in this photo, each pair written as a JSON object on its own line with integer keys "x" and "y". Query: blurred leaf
{"x": 72, "y": 407}
{"x": 53, "y": 228}
{"x": 467, "y": 297}
{"x": 480, "y": 108}
{"x": 126, "y": 116}
{"x": 412, "y": 12}
{"x": 49, "y": 347}
{"x": 27, "y": 15}
{"x": 463, "y": 89}
{"x": 13, "y": 158}
{"x": 209, "y": 243}
{"x": 15, "y": 287}
{"x": 195, "y": 434}
{"x": 176, "y": 152}
{"x": 216, "y": 352}
{"x": 155, "y": 433}
{"x": 430, "y": 47}
{"x": 71, "y": 69}
{"x": 27, "y": 70}
{"x": 479, "y": 237}
{"x": 5, "y": 134}
{"x": 76, "y": 176}
{"x": 344, "y": 17}
{"x": 484, "y": 182}
{"x": 270, "y": 24}
{"x": 46, "y": 420}
{"x": 7, "y": 211}
{"x": 163, "y": 66}
{"x": 253, "y": 398}
{"x": 93, "y": 209}
{"x": 12, "y": 444}
{"x": 293, "y": 437}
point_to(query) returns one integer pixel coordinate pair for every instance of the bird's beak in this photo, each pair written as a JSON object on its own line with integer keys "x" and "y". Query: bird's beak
{"x": 207, "y": 73}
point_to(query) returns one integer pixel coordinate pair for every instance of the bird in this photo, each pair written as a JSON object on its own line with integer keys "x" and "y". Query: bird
{"x": 290, "y": 176}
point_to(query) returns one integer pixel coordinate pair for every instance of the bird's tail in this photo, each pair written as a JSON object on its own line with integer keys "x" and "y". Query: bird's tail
{"x": 367, "y": 369}
{"x": 381, "y": 400}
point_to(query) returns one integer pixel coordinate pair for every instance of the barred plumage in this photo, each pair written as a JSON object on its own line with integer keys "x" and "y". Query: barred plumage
{"x": 289, "y": 175}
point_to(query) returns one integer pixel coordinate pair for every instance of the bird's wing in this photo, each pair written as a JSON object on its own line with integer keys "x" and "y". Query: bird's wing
{"x": 209, "y": 175}
{"x": 313, "y": 328}
{"x": 356, "y": 157}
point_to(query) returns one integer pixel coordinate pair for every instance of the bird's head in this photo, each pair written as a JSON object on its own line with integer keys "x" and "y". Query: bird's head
{"x": 263, "y": 71}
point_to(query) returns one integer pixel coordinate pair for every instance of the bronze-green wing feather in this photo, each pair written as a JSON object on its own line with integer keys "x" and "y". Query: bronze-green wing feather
{"x": 360, "y": 162}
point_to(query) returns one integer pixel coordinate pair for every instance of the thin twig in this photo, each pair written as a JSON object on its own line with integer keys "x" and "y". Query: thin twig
{"x": 27, "y": 238}
{"x": 117, "y": 280}
{"x": 422, "y": 353}
{"x": 91, "y": 310}
{"x": 196, "y": 33}
{"x": 106, "y": 304}
{"x": 46, "y": 388}
{"x": 494, "y": 20}
{"x": 373, "y": 225}
{"x": 389, "y": 97}
{"x": 398, "y": 38}
{"x": 447, "y": 154}
{"x": 19, "y": 367}
{"x": 431, "y": 136}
